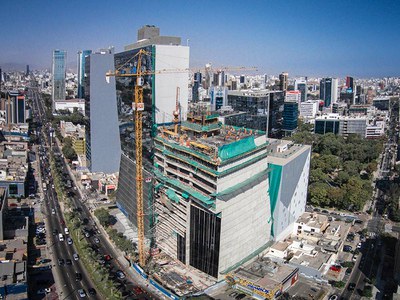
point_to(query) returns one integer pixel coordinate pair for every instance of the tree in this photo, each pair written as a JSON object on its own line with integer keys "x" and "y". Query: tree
{"x": 317, "y": 175}
{"x": 103, "y": 215}
{"x": 318, "y": 193}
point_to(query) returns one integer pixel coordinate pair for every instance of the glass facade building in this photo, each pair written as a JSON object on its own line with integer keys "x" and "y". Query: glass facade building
{"x": 323, "y": 126}
{"x": 125, "y": 96}
{"x": 58, "y": 71}
{"x": 102, "y": 140}
{"x": 81, "y": 71}
{"x": 290, "y": 113}
{"x": 264, "y": 110}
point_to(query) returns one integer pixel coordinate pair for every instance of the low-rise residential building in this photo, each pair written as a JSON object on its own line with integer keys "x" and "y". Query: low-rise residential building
{"x": 76, "y": 133}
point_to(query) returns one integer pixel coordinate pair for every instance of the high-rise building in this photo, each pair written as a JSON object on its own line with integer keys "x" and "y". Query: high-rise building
{"x": 301, "y": 85}
{"x": 263, "y": 110}
{"x": 27, "y": 70}
{"x": 283, "y": 81}
{"x": 103, "y": 150}
{"x": 81, "y": 71}
{"x": 350, "y": 83}
{"x": 14, "y": 105}
{"x": 290, "y": 114}
{"x": 159, "y": 97}
{"x": 218, "y": 97}
{"x": 220, "y": 196}
{"x": 328, "y": 90}
{"x": 58, "y": 75}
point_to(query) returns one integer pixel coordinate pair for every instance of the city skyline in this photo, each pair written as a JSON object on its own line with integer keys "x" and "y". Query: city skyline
{"x": 300, "y": 37}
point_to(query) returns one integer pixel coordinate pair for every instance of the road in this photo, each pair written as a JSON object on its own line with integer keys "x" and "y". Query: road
{"x": 126, "y": 285}
{"x": 59, "y": 249}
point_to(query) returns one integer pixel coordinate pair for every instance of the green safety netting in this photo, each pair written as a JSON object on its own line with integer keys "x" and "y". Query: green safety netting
{"x": 214, "y": 116}
{"x": 172, "y": 195}
{"x": 236, "y": 148}
{"x": 158, "y": 186}
{"x": 181, "y": 187}
{"x": 207, "y": 169}
{"x": 242, "y": 187}
{"x": 274, "y": 186}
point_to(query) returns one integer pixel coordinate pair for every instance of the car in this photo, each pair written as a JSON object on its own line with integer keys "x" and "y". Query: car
{"x": 78, "y": 276}
{"x": 61, "y": 237}
{"x": 107, "y": 257}
{"x": 317, "y": 209}
{"x": 120, "y": 274}
{"x": 66, "y": 230}
{"x": 61, "y": 262}
{"x": 96, "y": 240}
{"x": 75, "y": 256}
{"x": 347, "y": 248}
{"x": 333, "y": 297}
{"x": 86, "y": 233}
{"x": 68, "y": 262}
{"x": 53, "y": 212}
{"x": 81, "y": 293}
{"x": 348, "y": 271}
{"x": 47, "y": 290}
{"x": 92, "y": 292}
{"x": 351, "y": 286}
{"x": 55, "y": 231}
{"x": 325, "y": 211}
{"x": 335, "y": 268}
{"x": 355, "y": 257}
{"x": 70, "y": 241}
{"x": 359, "y": 245}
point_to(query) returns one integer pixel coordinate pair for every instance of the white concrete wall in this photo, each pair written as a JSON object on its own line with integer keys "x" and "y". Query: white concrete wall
{"x": 244, "y": 225}
{"x": 176, "y": 59}
{"x": 239, "y": 176}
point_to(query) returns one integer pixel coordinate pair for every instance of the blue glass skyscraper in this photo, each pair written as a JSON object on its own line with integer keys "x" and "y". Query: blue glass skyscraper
{"x": 81, "y": 71}
{"x": 58, "y": 71}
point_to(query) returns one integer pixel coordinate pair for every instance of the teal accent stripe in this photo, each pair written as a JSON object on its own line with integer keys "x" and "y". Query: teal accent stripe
{"x": 274, "y": 185}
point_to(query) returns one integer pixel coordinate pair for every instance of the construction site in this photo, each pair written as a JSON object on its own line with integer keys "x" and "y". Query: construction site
{"x": 211, "y": 193}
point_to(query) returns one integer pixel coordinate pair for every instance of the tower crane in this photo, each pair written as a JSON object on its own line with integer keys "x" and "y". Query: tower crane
{"x": 138, "y": 108}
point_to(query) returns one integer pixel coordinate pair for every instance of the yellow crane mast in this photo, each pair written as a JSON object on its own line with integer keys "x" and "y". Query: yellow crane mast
{"x": 138, "y": 107}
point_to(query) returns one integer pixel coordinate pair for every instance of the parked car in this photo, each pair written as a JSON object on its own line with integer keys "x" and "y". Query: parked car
{"x": 61, "y": 262}
{"x": 69, "y": 241}
{"x": 75, "y": 256}
{"x": 347, "y": 248}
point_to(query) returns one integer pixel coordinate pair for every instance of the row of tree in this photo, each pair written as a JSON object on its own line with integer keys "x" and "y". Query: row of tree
{"x": 341, "y": 168}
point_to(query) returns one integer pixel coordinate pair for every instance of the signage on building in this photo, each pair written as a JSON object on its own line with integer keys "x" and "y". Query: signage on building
{"x": 255, "y": 288}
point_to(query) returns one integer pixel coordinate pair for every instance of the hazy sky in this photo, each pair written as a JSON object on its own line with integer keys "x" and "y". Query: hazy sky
{"x": 359, "y": 38}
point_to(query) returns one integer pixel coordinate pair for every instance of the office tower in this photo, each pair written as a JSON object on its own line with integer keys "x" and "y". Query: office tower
{"x": 242, "y": 79}
{"x": 350, "y": 83}
{"x": 159, "y": 97}
{"x": 58, "y": 75}
{"x": 263, "y": 110}
{"x": 208, "y": 76}
{"x": 221, "y": 78}
{"x": 81, "y": 71}
{"x": 301, "y": 85}
{"x": 14, "y": 105}
{"x": 293, "y": 96}
{"x": 290, "y": 113}
{"x": 195, "y": 87}
{"x": 103, "y": 149}
{"x": 328, "y": 90}
{"x": 218, "y": 97}
{"x": 27, "y": 70}
{"x": 283, "y": 81}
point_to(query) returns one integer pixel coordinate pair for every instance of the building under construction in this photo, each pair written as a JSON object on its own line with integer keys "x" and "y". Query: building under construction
{"x": 213, "y": 209}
